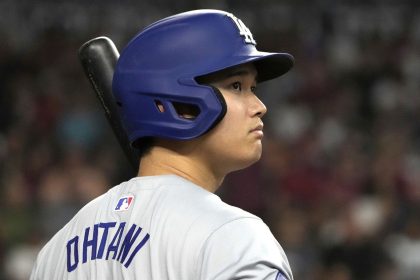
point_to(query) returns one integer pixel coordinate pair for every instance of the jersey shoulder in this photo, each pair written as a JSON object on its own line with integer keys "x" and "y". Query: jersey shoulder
{"x": 218, "y": 238}
{"x": 243, "y": 248}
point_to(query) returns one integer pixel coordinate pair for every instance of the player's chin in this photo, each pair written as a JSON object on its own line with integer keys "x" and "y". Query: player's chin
{"x": 252, "y": 156}
{"x": 256, "y": 156}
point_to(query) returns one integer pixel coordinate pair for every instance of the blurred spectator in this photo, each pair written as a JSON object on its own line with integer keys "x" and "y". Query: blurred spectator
{"x": 404, "y": 247}
{"x": 20, "y": 260}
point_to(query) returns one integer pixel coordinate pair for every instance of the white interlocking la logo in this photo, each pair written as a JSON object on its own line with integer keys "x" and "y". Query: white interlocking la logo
{"x": 243, "y": 30}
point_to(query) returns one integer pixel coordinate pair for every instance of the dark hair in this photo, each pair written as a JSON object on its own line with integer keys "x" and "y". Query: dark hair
{"x": 143, "y": 145}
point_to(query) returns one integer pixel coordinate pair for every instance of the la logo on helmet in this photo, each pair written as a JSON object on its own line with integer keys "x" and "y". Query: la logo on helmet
{"x": 243, "y": 30}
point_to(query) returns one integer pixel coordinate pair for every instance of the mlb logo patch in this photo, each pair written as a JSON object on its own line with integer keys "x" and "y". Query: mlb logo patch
{"x": 124, "y": 203}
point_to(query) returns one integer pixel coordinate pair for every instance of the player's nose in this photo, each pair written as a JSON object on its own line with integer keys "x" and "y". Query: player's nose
{"x": 258, "y": 108}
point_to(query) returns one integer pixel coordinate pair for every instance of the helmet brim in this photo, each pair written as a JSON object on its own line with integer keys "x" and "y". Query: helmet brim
{"x": 268, "y": 65}
{"x": 272, "y": 65}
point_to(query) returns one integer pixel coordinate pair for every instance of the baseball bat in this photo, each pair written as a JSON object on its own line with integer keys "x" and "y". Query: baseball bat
{"x": 99, "y": 57}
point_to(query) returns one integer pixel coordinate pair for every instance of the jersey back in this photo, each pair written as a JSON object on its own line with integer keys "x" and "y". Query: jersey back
{"x": 161, "y": 227}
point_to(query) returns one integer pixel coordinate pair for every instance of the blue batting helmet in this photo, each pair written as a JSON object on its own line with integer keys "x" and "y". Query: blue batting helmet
{"x": 159, "y": 66}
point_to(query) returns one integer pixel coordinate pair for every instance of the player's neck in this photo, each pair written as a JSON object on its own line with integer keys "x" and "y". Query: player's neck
{"x": 162, "y": 161}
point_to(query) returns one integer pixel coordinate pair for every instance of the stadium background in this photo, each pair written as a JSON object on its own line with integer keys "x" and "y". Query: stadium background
{"x": 339, "y": 181}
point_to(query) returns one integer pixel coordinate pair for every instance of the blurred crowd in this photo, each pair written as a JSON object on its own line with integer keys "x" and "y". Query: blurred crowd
{"x": 339, "y": 180}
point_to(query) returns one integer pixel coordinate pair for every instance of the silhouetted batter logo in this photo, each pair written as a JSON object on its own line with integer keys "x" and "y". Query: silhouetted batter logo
{"x": 124, "y": 203}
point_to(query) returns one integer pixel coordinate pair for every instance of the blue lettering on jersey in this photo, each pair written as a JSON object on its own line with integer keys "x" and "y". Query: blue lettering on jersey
{"x": 106, "y": 227}
{"x": 115, "y": 243}
{"x": 139, "y": 246}
{"x": 128, "y": 242}
{"x": 72, "y": 252}
{"x": 100, "y": 232}
{"x": 90, "y": 243}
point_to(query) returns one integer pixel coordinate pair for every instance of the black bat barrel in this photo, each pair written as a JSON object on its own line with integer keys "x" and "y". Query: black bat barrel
{"x": 99, "y": 57}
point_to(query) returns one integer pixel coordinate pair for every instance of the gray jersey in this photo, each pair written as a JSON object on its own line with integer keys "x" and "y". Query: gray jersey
{"x": 162, "y": 227}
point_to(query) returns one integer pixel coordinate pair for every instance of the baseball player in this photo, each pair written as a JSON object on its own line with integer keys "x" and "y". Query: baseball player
{"x": 185, "y": 87}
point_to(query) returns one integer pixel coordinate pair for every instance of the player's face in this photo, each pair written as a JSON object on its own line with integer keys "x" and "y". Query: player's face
{"x": 235, "y": 142}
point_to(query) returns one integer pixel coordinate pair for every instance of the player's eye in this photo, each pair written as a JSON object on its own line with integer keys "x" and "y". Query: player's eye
{"x": 254, "y": 89}
{"x": 237, "y": 86}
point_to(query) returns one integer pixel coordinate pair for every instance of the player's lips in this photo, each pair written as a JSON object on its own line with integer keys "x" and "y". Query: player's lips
{"x": 258, "y": 130}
